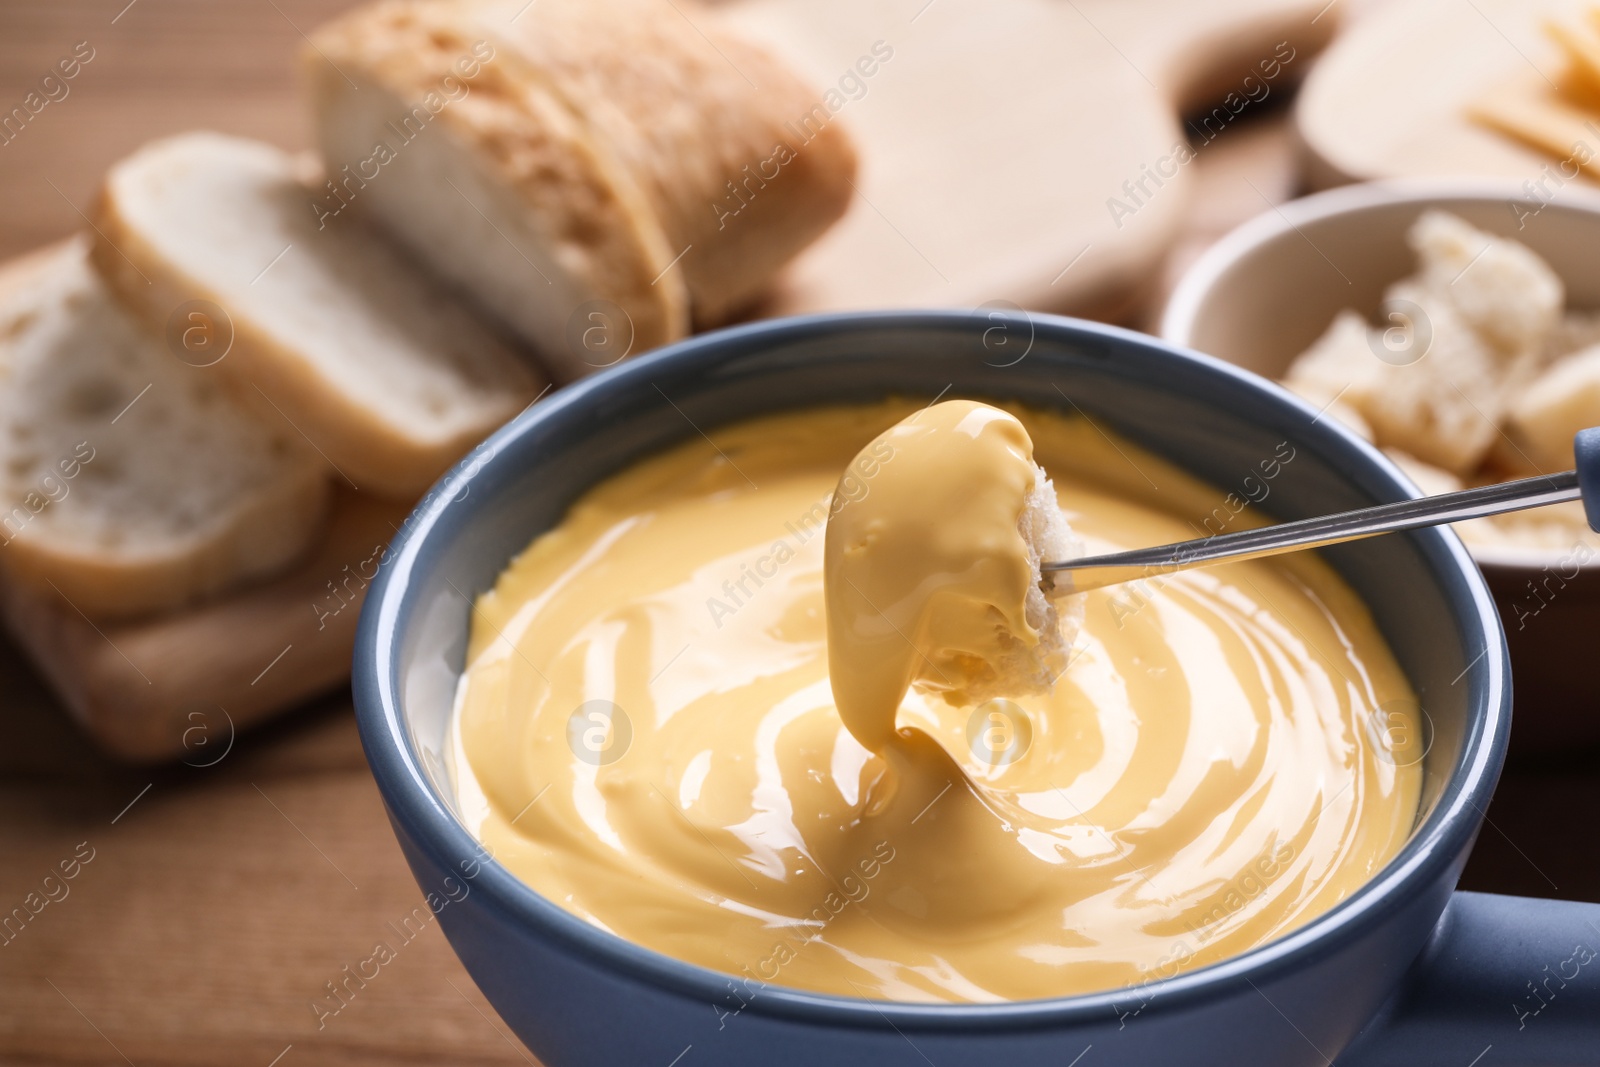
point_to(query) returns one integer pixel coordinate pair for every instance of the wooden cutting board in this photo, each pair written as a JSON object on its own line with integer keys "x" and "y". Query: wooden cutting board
{"x": 1389, "y": 98}
{"x": 996, "y": 138}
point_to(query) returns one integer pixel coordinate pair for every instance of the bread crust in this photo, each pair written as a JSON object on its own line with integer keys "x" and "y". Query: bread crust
{"x": 151, "y": 689}
{"x": 520, "y": 134}
{"x": 266, "y": 534}
{"x": 365, "y": 448}
{"x": 710, "y": 125}
{"x": 664, "y": 149}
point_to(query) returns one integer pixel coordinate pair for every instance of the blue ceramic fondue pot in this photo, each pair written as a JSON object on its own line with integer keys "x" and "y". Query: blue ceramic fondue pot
{"x": 1404, "y": 971}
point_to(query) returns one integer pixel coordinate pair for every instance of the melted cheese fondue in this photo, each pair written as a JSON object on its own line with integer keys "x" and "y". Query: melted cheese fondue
{"x": 646, "y": 733}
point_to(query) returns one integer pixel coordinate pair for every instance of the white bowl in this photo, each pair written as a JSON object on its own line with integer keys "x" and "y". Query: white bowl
{"x": 1263, "y": 293}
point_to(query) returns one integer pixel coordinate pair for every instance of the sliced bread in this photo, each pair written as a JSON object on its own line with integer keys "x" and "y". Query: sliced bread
{"x": 336, "y": 334}
{"x": 594, "y": 171}
{"x": 131, "y": 481}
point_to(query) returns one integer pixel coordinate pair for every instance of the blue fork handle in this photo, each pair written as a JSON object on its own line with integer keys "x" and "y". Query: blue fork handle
{"x": 1587, "y": 448}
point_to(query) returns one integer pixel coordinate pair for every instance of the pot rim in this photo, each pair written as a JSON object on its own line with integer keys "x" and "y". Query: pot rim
{"x": 424, "y": 816}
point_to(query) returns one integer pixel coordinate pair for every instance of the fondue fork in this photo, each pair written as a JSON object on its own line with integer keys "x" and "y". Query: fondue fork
{"x": 1095, "y": 572}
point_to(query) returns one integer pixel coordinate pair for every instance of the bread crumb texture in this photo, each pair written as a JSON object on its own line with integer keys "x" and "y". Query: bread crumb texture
{"x": 1478, "y": 375}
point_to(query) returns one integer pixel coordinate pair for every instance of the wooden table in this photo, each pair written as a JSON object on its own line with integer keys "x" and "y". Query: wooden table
{"x": 220, "y": 899}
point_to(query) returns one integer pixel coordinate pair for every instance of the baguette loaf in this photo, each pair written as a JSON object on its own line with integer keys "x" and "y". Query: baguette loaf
{"x": 131, "y": 481}
{"x": 336, "y": 336}
{"x": 621, "y": 164}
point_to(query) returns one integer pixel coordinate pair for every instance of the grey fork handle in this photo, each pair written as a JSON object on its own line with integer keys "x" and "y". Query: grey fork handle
{"x": 1095, "y": 572}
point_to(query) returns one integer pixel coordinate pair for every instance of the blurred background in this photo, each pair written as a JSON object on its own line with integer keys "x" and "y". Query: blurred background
{"x": 222, "y": 893}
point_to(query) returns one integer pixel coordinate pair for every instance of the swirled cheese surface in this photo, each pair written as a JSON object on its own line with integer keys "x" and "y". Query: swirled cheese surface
{"x": 646, "y": 733}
